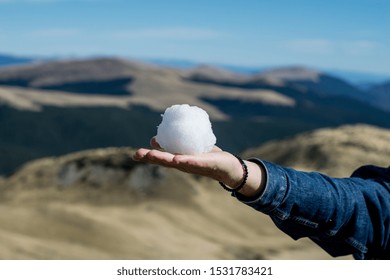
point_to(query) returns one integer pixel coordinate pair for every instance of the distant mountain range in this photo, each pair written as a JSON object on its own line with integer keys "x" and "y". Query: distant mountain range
{"x": 357, "y": 78}
{"x": 56, "y": 107}
{"x": 7, "y": 60}
{"x": 381, "y": 95}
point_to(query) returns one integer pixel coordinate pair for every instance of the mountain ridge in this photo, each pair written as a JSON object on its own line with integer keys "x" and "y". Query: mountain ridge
{"x": 9, "y": 60}
{"x": 334, "y": 151}
{"x": 383, "y": 91}
{"x": 45, "y": 116}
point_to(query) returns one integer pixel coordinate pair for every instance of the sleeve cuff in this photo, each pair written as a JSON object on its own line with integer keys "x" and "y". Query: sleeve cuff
{"x": 274, "y": 191}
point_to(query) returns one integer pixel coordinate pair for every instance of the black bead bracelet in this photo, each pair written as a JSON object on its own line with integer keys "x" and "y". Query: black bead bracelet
{"x": 245, "y": 177}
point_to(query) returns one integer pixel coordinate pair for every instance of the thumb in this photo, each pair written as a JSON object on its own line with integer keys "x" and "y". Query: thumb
{"x": 154, "y": 143}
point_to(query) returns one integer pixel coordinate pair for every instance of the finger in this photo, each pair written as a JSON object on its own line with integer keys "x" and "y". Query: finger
{"x": 216, "y": 149}
{"x": 160, "y": 157}
{"x": 154, "y": 143}
{"x": 140, "y": 154}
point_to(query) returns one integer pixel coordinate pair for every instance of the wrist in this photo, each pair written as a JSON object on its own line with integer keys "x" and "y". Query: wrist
{"x": 256, "y": 180}
{"x": 238, "y": 186}
{"x": 234, "y": 175}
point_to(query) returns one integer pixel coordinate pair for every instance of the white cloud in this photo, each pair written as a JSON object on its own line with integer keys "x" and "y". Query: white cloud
{"x": 314, "y": 46}
{"x": 325, "y": 46}
{"x": 56, "y": 32}
{"x": 28, "y": 1}
{"x": 180, "y": 33}
{"x": 360, "y": 47}
{"x": 46, "y": 1}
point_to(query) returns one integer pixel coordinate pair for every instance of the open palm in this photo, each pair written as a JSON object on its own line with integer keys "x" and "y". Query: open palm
{"x": 216, "y": 164}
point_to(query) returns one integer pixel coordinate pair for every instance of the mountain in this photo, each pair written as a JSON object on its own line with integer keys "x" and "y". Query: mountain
{"x": 313, "y": 80}
{"x": 91, "y": 76}
{"x": 99, "y": 204}
{"x": 299, "y": 78}
{"x": 172, "y": 63}
{"x": 7, "y": 60}
{"x": 381, "y": 95}
{"x": 57, "y": 107}
{"x": 359, "y": 79}
{"x": 334, "y": 151}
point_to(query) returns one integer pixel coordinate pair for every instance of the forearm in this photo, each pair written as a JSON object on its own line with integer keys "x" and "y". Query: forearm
{"x": 338, "y": 214}
{"x": 333, "y": 212}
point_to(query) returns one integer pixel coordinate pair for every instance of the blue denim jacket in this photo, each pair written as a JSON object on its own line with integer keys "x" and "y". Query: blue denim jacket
{"x": 342, "y": 215}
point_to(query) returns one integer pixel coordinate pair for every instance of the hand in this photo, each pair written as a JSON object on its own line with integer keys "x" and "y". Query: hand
{"x": 216, "y": 164}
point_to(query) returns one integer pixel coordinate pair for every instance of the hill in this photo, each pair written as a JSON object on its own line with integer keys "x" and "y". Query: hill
{"x": 298, "y": 77}
{"x": 99, "y": 204}
{"x": 6, "y": 60}
{"x": 381, "y": 95}
{"x": 57, "y": 107}
{"x": 359, "y": 79}
{"x": 313, "y": 80}
{"x": 125, "y": 81}
{"x": 334, "y": 151}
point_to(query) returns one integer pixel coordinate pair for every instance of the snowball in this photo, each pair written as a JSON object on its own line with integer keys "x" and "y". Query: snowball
{"x": 185, "y": 129}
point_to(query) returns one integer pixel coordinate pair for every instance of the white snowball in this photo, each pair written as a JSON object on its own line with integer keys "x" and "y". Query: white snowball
{"x": 185, "y": 129}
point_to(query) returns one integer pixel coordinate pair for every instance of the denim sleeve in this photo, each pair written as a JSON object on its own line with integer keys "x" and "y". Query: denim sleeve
{"x": 342, "y": 215}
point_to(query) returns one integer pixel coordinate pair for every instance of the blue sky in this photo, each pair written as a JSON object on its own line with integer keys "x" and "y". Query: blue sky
{"x": 344, "y": 34}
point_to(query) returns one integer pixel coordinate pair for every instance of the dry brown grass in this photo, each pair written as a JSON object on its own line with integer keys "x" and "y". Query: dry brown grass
{"x": 99, "y": 205}
{"x": 337, "y": 152}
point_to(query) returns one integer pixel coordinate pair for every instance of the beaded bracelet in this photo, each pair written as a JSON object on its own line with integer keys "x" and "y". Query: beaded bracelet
{"x": 245, "y": 177}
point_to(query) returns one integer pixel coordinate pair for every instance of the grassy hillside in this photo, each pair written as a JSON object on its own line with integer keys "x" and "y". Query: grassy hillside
{"x": 58, "y": 107}
{"x": 99, "y": 204}
{"x": 334, "y": 151}
{"x": 26, "y": 135}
